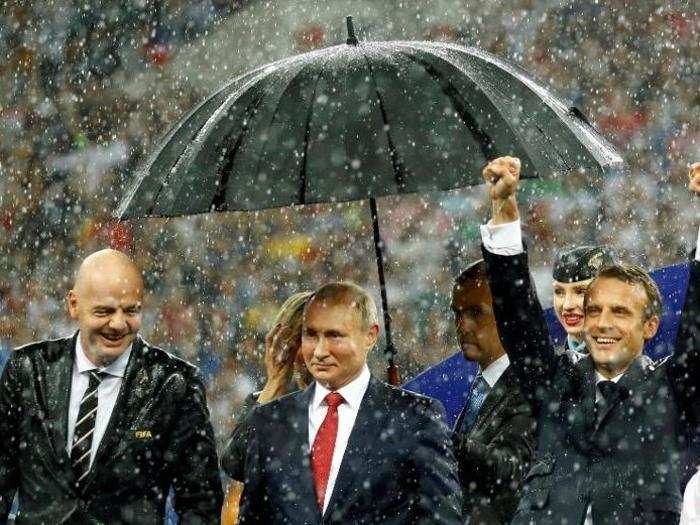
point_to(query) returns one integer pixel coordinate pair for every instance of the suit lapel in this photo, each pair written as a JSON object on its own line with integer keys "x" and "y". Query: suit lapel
{"x": 494, "y": 397}
{"x": 57, "y": 387}
{"x": 301, "y": 463}
{"x": 358, "y": 457}
{"x": 580, "y": 400}
{"x": 460, "y": 420}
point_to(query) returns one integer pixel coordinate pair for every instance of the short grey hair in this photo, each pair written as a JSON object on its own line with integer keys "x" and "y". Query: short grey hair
{"x": 349, "y": 294}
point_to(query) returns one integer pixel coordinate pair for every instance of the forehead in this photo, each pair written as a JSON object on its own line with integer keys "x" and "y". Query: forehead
{"x": 571, "y": 286}
{"x": 469, "y": 293}
{"x": 115, "y": 288}
{"x": 322, "y": 314}
{"x": 615, "y": 292}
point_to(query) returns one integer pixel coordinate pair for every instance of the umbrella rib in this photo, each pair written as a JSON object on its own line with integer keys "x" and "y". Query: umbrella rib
{"x": 307, "y": 134}
{"x": 484, "y": 141}
{"x": 163, "y": 143}
{"x": 449, "y": 63}
{"x": 396, "y": 163}
{"x": 218, "y": 202}
{"x": 279, "y": 102}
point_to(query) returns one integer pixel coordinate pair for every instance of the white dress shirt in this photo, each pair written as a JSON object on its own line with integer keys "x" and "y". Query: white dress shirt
{"x": 107, "y": 393}
{"x": 494, "y": 371}
{"x": 690, "y": 515}
{"x": 502, "y": 239}
{"x": 352, "y": 394}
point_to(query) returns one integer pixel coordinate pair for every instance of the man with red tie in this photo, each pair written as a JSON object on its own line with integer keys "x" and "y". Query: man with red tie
{"x": 348, "y": 449}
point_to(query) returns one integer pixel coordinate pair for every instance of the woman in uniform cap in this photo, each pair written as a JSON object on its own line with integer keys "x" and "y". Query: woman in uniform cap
{"x": 573, "y": 271}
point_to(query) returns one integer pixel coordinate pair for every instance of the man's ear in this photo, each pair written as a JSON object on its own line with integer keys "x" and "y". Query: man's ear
{"x": 651, "y": 326}
{"x": 73, "y": 304}
{"x": 372, "y": 336}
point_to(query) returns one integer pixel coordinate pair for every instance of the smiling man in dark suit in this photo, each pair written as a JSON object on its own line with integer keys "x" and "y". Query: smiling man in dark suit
{"x": 348, "y": 449}
{"x": 613, "y": 425}
{"x": 495, "y": 432}
{"x": 98, "y": 427}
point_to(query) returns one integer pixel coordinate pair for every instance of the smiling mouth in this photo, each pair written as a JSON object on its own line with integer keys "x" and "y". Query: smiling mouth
{"x": 572, "y": 319}
{"x": 605, "y": 342}
{"x": 113, "y": 338}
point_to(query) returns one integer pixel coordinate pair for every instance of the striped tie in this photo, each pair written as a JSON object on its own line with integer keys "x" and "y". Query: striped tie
{"x": 85, "y": 427}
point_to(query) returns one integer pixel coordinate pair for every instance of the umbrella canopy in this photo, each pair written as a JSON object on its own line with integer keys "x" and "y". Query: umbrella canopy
{"x": 361, "y": 120}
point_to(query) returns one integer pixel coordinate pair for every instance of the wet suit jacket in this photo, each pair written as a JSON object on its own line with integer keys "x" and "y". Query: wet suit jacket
{"x": 622, "y": 457}
{"x": 159, "y": 436}
{"x": 398, "y": 466}
{"x": 494, "y": 454}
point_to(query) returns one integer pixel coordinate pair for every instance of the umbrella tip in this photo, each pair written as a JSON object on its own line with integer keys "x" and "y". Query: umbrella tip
{"x": 352, "y": 39}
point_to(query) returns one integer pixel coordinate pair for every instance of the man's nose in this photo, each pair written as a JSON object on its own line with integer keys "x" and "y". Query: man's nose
{"x": 466, "y": 324}
{"x": 118, "y": 321}
{"x": 605, "y": 319}
{"x": 320, "y": 350}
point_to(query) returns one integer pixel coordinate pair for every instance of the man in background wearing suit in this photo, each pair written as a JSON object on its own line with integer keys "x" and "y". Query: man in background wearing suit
{"x": 349, "y": 448}
{"x": 495, "y": 432}
{"x": 612, "y": 426}
{"x": 97, "y": 428}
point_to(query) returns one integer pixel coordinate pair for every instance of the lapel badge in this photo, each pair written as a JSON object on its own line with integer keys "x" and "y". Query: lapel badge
{"x": 143, "y": 434}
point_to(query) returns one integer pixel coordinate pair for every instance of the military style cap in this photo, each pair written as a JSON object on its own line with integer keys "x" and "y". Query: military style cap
{"x": 582, "y": 262}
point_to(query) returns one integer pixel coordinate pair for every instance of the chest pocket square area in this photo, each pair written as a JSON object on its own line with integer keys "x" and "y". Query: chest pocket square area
{"x": 143, "y": 434}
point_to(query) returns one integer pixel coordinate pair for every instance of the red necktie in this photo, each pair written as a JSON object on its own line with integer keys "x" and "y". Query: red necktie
{"x": 322, "y": 451}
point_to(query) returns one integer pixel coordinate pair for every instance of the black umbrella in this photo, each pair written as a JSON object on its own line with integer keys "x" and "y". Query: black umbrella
{"x": 358, "y": 121}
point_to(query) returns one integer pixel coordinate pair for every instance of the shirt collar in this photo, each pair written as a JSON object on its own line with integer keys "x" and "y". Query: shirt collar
{"x": 599, "y": 377}
{"x": 352, "y": 393}
{"x": 117, "y": 368}
{"x": 576, "y": 346}
{"x": 493, "y": 372}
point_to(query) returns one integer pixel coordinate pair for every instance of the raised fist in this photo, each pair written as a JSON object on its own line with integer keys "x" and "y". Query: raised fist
{"x": 694, "y": 178}
{"x": 502, "y": 176}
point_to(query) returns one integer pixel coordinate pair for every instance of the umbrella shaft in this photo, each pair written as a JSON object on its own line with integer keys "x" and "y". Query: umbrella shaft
{"x": 390, "y": 350}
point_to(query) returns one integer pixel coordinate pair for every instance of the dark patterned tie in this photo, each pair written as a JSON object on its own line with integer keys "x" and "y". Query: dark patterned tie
{"x": 476, "y": 399}
{"x": 85, "y": 427}
{"x": 610, "y": 391}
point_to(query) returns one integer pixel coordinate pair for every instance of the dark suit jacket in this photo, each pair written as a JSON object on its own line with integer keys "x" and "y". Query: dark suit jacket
{"x": 494, "y": 455}
{"x": 159, "y": 436}
{"x": 622, "y": 456}
{"x": 398, "y": 466}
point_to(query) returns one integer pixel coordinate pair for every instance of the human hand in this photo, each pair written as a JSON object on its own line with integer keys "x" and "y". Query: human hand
{"x": 278, "y": 351}
{"x": 502, "y": 176}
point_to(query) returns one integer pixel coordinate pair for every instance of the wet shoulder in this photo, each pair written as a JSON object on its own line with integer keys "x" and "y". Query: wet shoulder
{"x": 416, "y": 404}
{"x": 46, "y": 350}
{"x": 156, "y": 356}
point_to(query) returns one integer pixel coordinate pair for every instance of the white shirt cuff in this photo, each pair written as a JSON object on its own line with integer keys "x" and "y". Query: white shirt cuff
{"x": 697, "y": 247}
{"x": 502, "y": 239}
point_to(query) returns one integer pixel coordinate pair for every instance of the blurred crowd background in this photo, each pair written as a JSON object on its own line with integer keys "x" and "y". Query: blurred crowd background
{"x": 87, "y": 87}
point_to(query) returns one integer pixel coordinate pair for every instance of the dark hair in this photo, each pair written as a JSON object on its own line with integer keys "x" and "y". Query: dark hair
{"x": 632, "y": 274}
{"x": 476, "y": 271}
